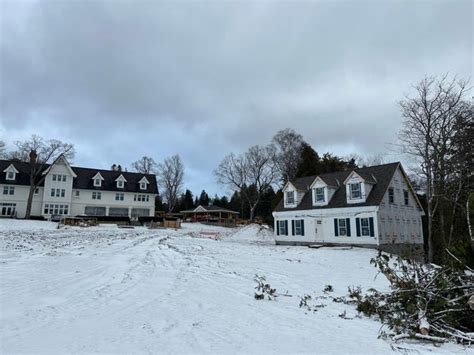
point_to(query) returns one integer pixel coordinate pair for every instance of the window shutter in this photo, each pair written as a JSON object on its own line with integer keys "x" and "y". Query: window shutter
{"x": 358, "y": 226}
{"x": 292, "y": 227}
{"x": 371, "y": 226}
{"x": 336, "y": 230}
{"x": 286, "y": 227}
{"x": 278, "y": 227}
{"x": 348, "y": 226}
{"x": 302, "y": 227}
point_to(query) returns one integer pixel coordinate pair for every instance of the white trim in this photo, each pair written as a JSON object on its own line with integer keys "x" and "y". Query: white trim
{"x": 66, "y": 163}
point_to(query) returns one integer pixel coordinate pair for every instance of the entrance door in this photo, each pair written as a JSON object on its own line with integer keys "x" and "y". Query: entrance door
{"x": 318, "y": 229}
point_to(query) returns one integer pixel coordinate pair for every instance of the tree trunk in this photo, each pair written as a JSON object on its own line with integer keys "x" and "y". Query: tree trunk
{"x": 30, "y": 201}
{"x": 429, "y": 201}
{"x": 252, "y": 211}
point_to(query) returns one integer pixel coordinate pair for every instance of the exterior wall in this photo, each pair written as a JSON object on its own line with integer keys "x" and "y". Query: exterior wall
{"x": 19, "y": 198}
{"x": 57, "y": 169}
{"x": 79, "y": 203}
{"x": 324, "y": 232}
{"x": 399, "y": 223}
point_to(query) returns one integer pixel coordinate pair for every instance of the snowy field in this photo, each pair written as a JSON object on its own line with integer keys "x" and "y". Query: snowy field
{"x": 112, "y": 290}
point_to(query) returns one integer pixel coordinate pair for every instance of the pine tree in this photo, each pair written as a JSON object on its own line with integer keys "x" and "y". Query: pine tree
{"x": 204, "y": 199}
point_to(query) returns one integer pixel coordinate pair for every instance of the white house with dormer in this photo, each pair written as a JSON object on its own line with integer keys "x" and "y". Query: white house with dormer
{"x": 371, "y": 206}
{"x": 66, "y": 190}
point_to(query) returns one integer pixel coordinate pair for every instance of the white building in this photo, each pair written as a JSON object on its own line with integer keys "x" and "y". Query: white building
{"x": 373, "y": 206}
{"x": 72, "y": 191}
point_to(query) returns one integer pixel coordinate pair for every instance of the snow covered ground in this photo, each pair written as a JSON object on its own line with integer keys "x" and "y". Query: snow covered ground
{"x": 112, "y": 290}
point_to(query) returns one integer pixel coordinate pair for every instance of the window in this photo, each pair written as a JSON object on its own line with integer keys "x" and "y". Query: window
{"x": 147, "y": 198}
{"x": 9, "y": 190}
{"x": 290, "y": 197}
{"x": 137, "y": 212}
{"x": 63, "y": 192}
{"x": 37, "y": 191}
{"x": 97, "y": 182}
{"x": 120, "y": 184}
{"x": 282, "y": 227}
{"x": 143, "y": 186}
{"x": 119, "y": 197}
{"x": 64, "y": 178}
{"x": 319, "y": 194}
{"x": 54, "y": 177}
{"x": 298, "y": 227}
{"x": 391, "y": 195}
{"x": 96, "y": 195}
{"x": 11, "y": 175}
{"x": 355, "y": 191}
{"x": 342, "y": 227}
{"x": 94, "y": 211}
{"x": 58, "y": 192}
{"x": 78, "y": 193}
{"x": 405, "y": 197}
{"x": 56, "y": 209}
{"x": 59, "y": 177}
{"x": 53, "y": 192}
{"x": 364, "y": 227}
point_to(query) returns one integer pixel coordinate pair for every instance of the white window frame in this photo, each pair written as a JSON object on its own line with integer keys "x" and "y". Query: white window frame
{"x": 12, "y": 176}
{"x": 406, "y": 197}
{"x": 298, "y": 227}
{"x": 342, "y": 228}
{"x": 364, "y": 227}
{"x": 119, "y": 196}
{"x": 293, "y": 199}
{"x": 78, "y": 193}
{"x": 319, "y": 194}
{"x": 9, "y": 190}
{"x": 120, "y": 184}
{"x": 64, "y": 178}
{"x": 143, "y": 186}
{"x": 352, "y": 190}
{"x": 97, "y": 182}
{"x": 54, "y": 178}
{"x": 281, "y": 228}
{"x": 96, "y": 195}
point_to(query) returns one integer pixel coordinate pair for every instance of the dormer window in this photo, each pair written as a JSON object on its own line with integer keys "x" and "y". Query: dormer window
{"x": 10, "y": 172}
{"x": 355, "y": 191}
{"x": 290, "y": 197}
{"x": 97, "y": 178}
{"x": 143, "y": 183}
{"x": 319, "y": 194}
{"x": 120, "y": 182}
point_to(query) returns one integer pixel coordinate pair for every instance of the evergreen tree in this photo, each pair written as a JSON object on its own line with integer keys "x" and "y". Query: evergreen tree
{"x": 309, "y": 163}
{"x": 188, "y": 200}
{"x": 204, "y": 199}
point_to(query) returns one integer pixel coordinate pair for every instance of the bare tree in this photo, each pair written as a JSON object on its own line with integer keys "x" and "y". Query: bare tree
{"x": 170, "y": 178}
{"x": 39, "y": 152}
{"x": 250, "y": 174}
{"x": 288, "y": 146}
{"x": 427, "y": 135}
{"x": 2, "y": 150}
{"x": 366, "y": 160}
{"x": 145, "y": 165}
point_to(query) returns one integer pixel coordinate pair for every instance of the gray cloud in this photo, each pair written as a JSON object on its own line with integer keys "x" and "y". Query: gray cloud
{"x": 124, "y": 79}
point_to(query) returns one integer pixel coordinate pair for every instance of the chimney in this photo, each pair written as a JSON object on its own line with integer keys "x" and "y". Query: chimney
{"x": 33, "y": 157}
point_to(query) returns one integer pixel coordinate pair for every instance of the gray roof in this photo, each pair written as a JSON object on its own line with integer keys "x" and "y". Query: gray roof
{"x": 84, "y": 178}
{"x": 211, "y": 209}
{"x": 380, "y": 176}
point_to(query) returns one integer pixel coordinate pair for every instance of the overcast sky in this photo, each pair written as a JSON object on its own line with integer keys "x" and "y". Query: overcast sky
{"x": 123, "y": 79}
